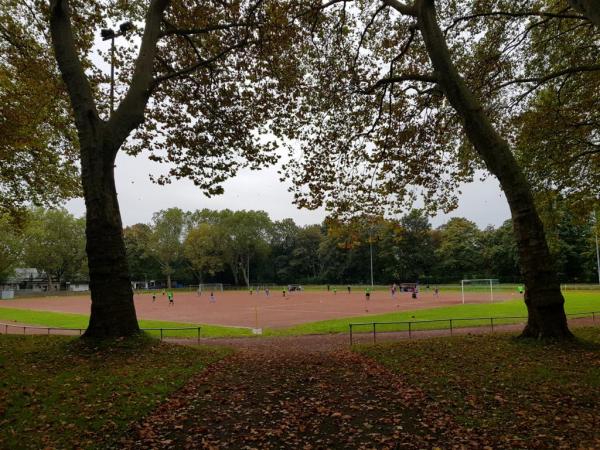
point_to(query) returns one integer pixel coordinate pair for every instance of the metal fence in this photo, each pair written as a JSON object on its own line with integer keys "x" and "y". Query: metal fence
{"x": 36, "y": 330}
{"x": 410, "y": 328}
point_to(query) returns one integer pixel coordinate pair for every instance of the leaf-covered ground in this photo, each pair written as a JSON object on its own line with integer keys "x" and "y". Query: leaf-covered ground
{"x": 510, "y": 393}
{"x": 58, "y": 392}
{"x": 302, "y": 393}
{"x": 462, "y": 392}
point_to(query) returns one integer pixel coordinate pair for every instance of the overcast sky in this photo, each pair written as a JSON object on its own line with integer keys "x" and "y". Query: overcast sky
{"x": 139, "y": 198}
{"x": 481, "y": 202}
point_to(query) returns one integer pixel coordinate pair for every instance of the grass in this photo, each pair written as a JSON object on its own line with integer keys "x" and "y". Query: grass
{"x": 68, "y": 320}
{"x": 60, "y": 392}
{"x": 521, "y": 394}
{"x": 575, "y": 302}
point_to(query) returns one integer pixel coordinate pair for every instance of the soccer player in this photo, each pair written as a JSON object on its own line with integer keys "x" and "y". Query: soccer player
{"x": 334, "y": 290}
{"x": 521, "y": 290}
{"x": 349, "y": 288}
{"x": 212, "y": 297}
{"x": 284, "y": 292}
{"x": 171, "y": 299}
{"x": 267, "y": 291}
{"x": 368, "y": 294}
{"x": 153, "y": 297}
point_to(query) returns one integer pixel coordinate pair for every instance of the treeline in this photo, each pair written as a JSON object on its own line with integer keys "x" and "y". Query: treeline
{"x": 247, "y": 247}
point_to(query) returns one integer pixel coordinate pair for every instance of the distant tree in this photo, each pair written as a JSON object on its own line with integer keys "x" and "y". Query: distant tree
{"x": 414, "y": 246}
{"x": 203, "y": 249}
{"x": 11, "y": 246}
{"x": 55, "y": 244}
{"x": 304, "y": 261}
{"x": 246, "y": 237}
{"x": 460, "y": 252}
{"x": 499, "y": 253}
{"x": 166, "y": 240}
{"x": 283, "y": 241}
{"x": 142, "y": 265}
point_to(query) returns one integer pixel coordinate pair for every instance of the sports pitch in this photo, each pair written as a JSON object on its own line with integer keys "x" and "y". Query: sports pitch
{"x": 240, "y": 309}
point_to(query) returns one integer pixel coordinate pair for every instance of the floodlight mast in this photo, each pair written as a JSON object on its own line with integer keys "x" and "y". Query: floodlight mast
{"x": 107, "y": 34}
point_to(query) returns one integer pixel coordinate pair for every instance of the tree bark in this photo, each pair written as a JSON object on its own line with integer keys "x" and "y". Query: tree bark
{"x": 113, "y": 311}
{"x": 544, "y": 300}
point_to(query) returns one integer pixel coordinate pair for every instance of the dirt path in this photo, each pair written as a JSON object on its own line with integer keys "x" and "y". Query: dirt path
{"x": 294, "y": 396}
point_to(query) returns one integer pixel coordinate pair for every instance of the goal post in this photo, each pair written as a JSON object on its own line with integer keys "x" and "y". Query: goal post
{"x": 479, "y": 283}
{"x": 210, "y": 287}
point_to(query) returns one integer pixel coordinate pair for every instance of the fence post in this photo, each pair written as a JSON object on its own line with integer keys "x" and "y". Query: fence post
{"x": 409, "y": 330}
{"x": 161, "y": 335}
{"x": 80, "y": 330}
{"x": 593, "y": 317}
{"x": 350, "y": 325}
{"x": 48, "y": 331}
{"x": 492, "y": 323}
{"x": 374, "y": 334}
{"x": 450, "y": 327}
{"x": 5, "y": 329}
{"x": 198, "y": 335}
{"x": 24, "y": 330}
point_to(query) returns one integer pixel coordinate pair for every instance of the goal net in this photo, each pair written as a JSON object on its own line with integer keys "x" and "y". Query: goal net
{"x": 483, "y": 285}
{"x": 210, "y": 287}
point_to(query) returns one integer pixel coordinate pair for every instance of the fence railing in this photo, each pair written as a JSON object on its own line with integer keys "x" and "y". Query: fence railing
{"x": 410, "y": 327}
{"x": 79, "y": 331}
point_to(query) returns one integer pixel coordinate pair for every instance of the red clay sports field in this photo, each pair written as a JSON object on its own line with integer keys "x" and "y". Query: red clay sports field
{"x": 239, "y": 308}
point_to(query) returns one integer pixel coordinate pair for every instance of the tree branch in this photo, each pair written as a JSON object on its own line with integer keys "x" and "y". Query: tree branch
{"x": 515, "y": 14}
{"x": 402, "y": 8}
{"x": 130, "y": 112}
{"x": 553, "y": 75}
{"x": 425, "y": 78}
{"x": 192, "y": 31}
{"x": 78, "y": 86}
{"x": 199, "y": 64}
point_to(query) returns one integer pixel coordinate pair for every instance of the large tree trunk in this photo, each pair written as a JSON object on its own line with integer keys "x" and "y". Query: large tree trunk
{"x": 544, "y": 300}
{"x": 113, "y": 312}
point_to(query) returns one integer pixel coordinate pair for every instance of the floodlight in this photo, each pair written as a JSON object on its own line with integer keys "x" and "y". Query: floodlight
{"x": 107, "y": 34}
{"x": 125, "y": 27}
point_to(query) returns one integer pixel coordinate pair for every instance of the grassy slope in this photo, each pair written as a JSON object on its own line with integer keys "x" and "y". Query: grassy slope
{"x": 521, "y": 394}
{"x": 57, "y": 392}
{"x": 67, "y": 320}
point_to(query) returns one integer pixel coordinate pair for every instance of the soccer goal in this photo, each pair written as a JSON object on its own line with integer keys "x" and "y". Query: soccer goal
{"x": 210, "y": 287}
{"x": 482, "y": 284}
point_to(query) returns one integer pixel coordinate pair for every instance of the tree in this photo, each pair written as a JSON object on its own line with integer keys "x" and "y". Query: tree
{"x": 142, "y": 265}
{"x": 499, "y": 253}
{"x": 193, "y": 89}
{"x": 246, "y": 235}
{"x": 283, "y": 241}
{"x": 414, "y": 246}
{"x": 11, "y": 246}
{"x": 203, "y": 249}
{"x": 38, "y": 152}
{"x": 166, "y": 239}
{"x": 55, "y": 244}
{"x": 304, "y": 259}
{"x": 415, "y": 105}
{"x": 460, "y": 252}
